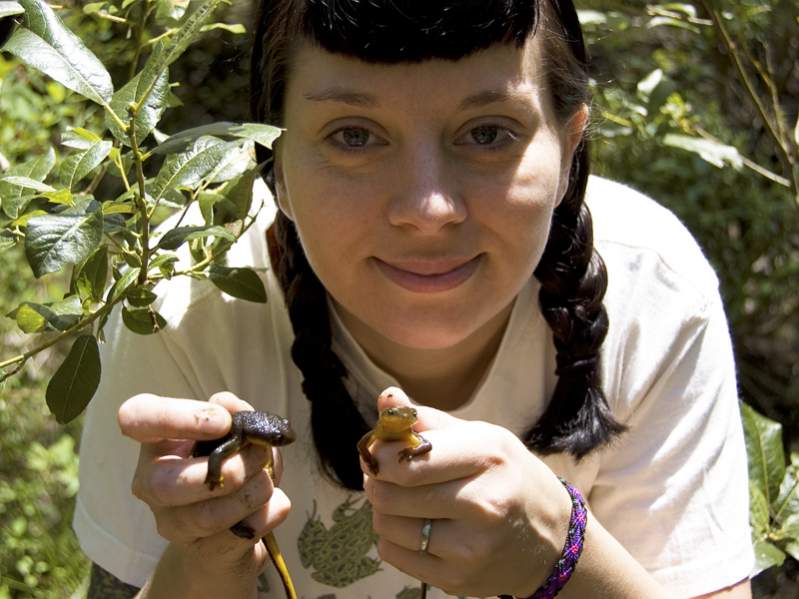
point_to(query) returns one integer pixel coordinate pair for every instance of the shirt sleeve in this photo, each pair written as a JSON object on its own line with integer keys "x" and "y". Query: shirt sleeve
{"x": 674, "y": 488}
{"x": 116, "y": 530}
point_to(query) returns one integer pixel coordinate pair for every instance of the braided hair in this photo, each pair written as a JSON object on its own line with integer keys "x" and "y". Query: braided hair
{"x": 572, "y": 275}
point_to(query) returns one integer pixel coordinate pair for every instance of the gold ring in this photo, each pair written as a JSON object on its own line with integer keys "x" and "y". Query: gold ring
{"x": 427, "y": 528}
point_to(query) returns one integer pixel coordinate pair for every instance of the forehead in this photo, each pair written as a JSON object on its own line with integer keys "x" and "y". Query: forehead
{"x": 315, "y": 74}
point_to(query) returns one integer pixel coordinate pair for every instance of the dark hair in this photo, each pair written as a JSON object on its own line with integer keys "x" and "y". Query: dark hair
{"x": 572, "y": 275}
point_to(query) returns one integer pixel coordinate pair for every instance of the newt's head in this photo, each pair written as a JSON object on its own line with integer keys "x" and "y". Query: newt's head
{"x": 397, "y": 418}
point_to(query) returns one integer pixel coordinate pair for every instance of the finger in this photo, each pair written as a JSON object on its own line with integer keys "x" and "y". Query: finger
{"x": 407, "y": 532}
{"x": 454, "y": 455}
{"x": 187, "y": 523}
{"x": 422, "y": 566}
{"x": 268, "y": 517}
{"x": 148, "y": 418}
{"x": 245, "y": 555}
{"x": 427, "y": 417}
{"x": 229, "y": 401}
{"x": 429, "y": 501}
{"x": 174, "y": 481}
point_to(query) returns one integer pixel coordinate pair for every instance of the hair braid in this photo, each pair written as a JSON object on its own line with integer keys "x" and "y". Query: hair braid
{"x": 573, "y": 282}
{"x": 336, "y": 423}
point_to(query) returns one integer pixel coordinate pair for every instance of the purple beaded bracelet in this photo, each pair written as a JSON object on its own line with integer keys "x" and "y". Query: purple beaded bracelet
{"x": 572, "y": 550}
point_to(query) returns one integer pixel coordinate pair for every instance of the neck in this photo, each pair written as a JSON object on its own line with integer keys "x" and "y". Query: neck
{"x": 442, "y": 378}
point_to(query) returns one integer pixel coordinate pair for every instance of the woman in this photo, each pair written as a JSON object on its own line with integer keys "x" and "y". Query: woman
{"x": 432, "y": 233}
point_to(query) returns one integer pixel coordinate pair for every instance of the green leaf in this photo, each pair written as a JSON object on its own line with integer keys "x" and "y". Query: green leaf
{"x": 9, "y": 8}
{"x": 236, "y": 28}
{"x": 792, "y": 549}
{"x": 37, "y": 169}
{"x": 716, "y": 153}
{"x": 236, "y": 161}
{"x": 171, "y": 9}
{"x": 758, "y": 512}
{"x": 52, "y": 241}
{"x": 62, "y": 196}
{"x": 787, "y": 502}
{"x": 55, "y": 316}
{"x": 765, "y": 452}
{"x": 766, "y": 556}
{"x": 592, "y": 17}
{"x": 174, "y": 238}
{"x": 648, "y": 84}
{"x": 140, "y": 297}
{"x": 165, "y": 263}
{"x": 143, "y": 320}
{"x": 789, "y": 529}
{"x": 76, "y": 380}
{"x": 150, "y": 112}
{"x": 121, "y": 285}
{"x": 29, "y": 319}
{"x": 671, "y": 22}
{"x": 53, "y": 49}
{"x": 7, "y": 240}
{"x": 79, "y": 165}
{"x": 181, "y": 140}
{"x": 93, "y": 275}
{"x": 79, "y": 138}
{"x": 188, "y": 168}
{"x": 26, "y": 183}
{"x": 243, "y": 283}
{"x": 257, "y": 132}
{"x": 240, "y": 195}
{"x": 166, "y": 53}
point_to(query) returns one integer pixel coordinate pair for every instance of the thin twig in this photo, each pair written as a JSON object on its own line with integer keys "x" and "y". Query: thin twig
{"x": 732, "y": 50}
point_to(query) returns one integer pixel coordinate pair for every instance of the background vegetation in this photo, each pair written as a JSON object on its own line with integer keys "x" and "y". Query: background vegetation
{"x": 675, "y": 115}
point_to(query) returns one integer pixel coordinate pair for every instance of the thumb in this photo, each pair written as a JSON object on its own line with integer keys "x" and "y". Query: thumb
{"x": 427, "y": 418}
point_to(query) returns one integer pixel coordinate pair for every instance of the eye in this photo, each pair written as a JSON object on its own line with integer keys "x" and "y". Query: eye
{"x": 488, "y": 136}
{"x": 354, "y": 138}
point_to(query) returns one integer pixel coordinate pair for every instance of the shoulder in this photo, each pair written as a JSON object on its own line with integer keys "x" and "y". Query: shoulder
{"x": 643, "y": 242}
{"x": 662, "y": 293}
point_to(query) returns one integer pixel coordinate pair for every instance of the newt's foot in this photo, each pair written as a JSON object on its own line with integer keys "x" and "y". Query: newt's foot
{"x": 407, "y": 454}
{"x": 214, "y": 482}
{"x": 242, "y": 530}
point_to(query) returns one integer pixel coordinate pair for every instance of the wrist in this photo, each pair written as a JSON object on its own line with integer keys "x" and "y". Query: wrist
{"x": 181, "y": 572}
{"x": 566, "y": 536}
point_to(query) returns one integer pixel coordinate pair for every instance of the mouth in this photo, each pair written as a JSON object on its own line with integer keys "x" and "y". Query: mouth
{"x": 429, "y": 275}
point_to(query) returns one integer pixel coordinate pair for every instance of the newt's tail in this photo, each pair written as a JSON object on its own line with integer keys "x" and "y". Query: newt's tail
{"x": 280, "y": 565}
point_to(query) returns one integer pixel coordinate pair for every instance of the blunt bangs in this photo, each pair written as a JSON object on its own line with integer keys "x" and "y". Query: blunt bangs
{"x": 391, "y": 31}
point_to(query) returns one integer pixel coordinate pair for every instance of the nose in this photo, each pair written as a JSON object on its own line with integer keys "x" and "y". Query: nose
{"x": 427, "y": 196}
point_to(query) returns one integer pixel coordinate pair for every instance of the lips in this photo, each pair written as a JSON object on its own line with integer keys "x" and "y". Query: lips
{"x": 429, "y": 275}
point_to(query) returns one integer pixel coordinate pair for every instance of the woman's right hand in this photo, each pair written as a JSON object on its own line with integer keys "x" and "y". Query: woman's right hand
{"x": 194, "y": 519}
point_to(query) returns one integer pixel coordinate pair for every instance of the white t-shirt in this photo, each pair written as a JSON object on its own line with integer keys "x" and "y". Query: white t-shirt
{"x": 673, "y": 489}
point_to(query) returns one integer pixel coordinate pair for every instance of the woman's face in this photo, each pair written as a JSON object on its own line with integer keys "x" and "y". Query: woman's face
{"x": 422, "y": 193}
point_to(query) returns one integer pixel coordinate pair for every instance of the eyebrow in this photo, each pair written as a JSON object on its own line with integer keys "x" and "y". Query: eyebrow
{"x": 363, "y": 100}
{"x": 345, "y": 96}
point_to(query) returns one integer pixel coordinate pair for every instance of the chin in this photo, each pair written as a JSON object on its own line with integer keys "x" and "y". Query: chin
{"x": 428, "y": 334}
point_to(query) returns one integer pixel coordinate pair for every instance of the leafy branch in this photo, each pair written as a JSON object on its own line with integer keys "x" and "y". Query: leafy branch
{"x": 92, "y": 231}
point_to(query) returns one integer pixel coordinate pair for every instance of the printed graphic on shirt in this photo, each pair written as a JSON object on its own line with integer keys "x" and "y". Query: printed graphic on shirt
{"x": 337, "y": 555}
{"x": 263, "y": 583}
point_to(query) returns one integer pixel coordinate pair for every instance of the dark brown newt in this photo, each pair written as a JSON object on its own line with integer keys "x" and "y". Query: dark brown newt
{"x": 257, "y": 428}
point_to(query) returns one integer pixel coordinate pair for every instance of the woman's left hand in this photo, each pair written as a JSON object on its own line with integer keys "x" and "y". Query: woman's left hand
{"x": 500, "y": 515}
